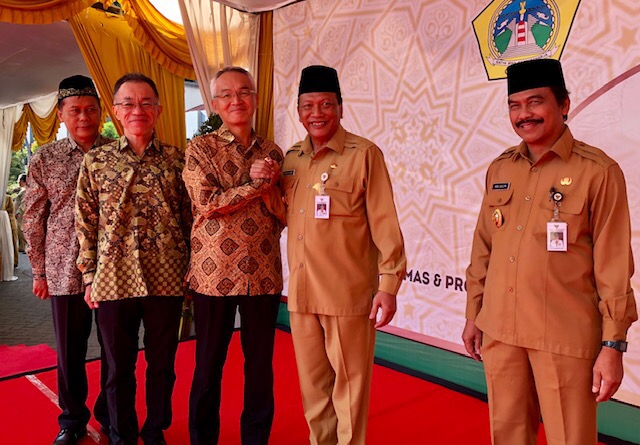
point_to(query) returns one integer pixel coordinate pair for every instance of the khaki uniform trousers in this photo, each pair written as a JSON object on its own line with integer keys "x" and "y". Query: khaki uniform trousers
{"x": 334, "y": 356}
{"x": 524, "y": 383}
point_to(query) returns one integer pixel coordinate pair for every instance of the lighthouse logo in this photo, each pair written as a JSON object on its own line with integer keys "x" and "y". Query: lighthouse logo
{"x": 510, "y": 31}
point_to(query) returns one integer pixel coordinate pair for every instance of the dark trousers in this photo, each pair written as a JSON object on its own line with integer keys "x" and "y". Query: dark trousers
{"x": 72, "y": 325}
{"x": 119, "y": 324}
{"x": 214, "y": 321}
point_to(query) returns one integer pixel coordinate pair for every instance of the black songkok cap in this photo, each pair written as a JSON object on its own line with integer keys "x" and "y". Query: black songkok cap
{"x": 536, "y": 73}
{"x": 76, "y": 86}
{"x": 319, "y": 79}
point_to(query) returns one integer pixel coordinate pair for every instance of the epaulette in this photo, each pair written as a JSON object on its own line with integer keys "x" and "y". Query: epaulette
{"x": 592, "y": 153}
{"x": 295, "y": 148}
{"x": 507, "y": 153}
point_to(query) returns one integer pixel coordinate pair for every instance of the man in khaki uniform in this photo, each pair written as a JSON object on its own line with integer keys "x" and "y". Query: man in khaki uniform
{"x": 18, "y": 205}
{"x": 346, "y": 260}
{"x": 550, "y": 319}
{"x": 9, "y": 208}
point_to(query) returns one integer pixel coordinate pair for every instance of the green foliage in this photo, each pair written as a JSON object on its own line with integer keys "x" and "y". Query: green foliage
{"x": 212, "y": 123}
{"x": 18, "y": 166}
{"x": 109, "y": 130}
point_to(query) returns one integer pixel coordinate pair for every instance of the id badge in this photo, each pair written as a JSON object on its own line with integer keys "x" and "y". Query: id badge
{"x": 556, "y": 236}
{"x": 322, "y": 206}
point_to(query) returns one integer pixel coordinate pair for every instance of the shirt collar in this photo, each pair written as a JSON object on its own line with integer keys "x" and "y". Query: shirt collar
{"x": 562, "y": 147}
{"x": 225, "y": 134}
{"x": 336, "y": 143}
{"x": 153, "y": 143}
{"x": 73, "y": 145}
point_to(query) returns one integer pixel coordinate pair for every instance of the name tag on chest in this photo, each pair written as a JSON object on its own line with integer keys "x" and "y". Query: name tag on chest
{"x": 501, "y": 186}
{"x": 322, "y": 206}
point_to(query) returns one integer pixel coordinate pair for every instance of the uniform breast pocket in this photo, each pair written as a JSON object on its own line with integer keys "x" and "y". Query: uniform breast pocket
{"x": 288, "y": 185}
{"x": 572, "y": 210}
{"x": 498, "y": 203}
{"x": 344, "y": 201}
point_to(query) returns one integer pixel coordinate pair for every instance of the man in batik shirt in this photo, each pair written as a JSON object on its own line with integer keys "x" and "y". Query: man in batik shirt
{"x": 235, "y": 260}
{"x": 52, "y": 246}
{"x": 133, "y": 219}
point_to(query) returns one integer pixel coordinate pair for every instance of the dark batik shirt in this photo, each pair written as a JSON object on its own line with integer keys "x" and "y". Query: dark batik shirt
{"x": 235, "y": 237}
{"x": 48, "y": 218}
{"x": 133, "y": 218}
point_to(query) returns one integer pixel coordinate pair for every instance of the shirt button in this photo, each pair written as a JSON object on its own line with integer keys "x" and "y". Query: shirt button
{"x": 299, "y": 237}
{"x": 509, "y": 289}
{"x": 527, "y": 198}
{"x": 308, "y": 186}
{"x": 512, "y": 258}
{"x": 300, "y": 266}
{"x": 301, "y": 210}
{"x": 534, "y": 169}
{"x": 519, "y": 227}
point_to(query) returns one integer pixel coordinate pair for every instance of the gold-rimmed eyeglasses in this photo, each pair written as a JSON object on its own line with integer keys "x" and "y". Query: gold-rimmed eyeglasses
{"x": 228, "y": 96}
{"x": 129, "y": 106}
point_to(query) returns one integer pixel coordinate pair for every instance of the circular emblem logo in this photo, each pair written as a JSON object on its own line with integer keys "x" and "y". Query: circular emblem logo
{"x": 522, "y": 30}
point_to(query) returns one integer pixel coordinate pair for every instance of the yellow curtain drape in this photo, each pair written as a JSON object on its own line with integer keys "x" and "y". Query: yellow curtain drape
{"x": 111, "y": 50}
{"x": 40, "y": 12}
{"x": 44, "y": 129}
{"x": 19, "y": 132}
{"x": 162, "y": 38}
{"x": 264, "y": 118}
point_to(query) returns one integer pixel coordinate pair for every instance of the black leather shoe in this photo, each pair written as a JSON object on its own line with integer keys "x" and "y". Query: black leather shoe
{"x": 157, "y": 440}
{"x": 67, "y": 436}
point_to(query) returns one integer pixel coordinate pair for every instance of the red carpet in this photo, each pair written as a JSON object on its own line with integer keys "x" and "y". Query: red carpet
{"x": 404, "y": 410}
{"x": 21, "y": 359}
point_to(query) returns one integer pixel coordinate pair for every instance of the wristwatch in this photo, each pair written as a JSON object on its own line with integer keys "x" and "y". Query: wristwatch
{"x": 617, "y": 345}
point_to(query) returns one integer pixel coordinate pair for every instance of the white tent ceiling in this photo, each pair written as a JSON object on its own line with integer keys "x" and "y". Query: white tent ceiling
{"x": 34, "y": 58}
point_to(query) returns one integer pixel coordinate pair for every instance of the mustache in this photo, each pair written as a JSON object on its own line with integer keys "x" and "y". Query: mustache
{"x": 529, "y": 121}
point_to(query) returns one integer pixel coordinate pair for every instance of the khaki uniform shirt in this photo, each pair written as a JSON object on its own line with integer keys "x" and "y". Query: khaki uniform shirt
{"x": 235, "y": 238}
{"x": 560, "y": 302}
{"x": 133, "y": 218}
{"x": 18, "y": 205}
{"x": 48, "y": 222}
{"x": 338, "y": 264}
{"x": 10, "y": 209}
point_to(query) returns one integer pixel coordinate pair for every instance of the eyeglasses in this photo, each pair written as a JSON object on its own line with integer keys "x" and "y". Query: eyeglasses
{"x": 228, "y": 97}
{"x": 129, "y": 106}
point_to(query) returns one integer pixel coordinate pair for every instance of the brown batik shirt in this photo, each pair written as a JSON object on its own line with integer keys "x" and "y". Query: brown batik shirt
{"x": 235, "y": 237}
{"x": 48, "y": 218}
{"x": 133, "y": 217}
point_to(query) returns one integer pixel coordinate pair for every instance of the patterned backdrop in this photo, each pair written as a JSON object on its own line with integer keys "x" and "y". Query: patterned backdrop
{"x": 414, "y": 82}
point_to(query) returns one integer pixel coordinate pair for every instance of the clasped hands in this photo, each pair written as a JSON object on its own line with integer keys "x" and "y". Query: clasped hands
{"x": 266, "y": 169}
